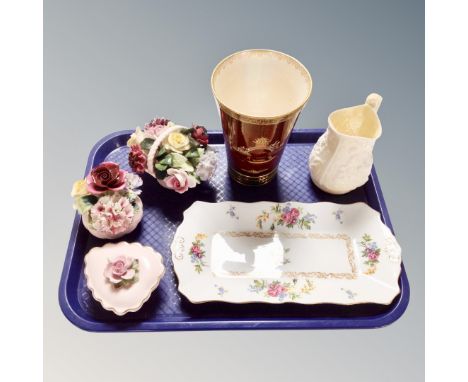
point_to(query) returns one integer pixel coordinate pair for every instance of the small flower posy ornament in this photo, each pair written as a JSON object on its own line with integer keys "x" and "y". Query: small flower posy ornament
{"x": 108, "y": 201}
{"x": 177, "y": 156}
{"x": 122, "y": 271}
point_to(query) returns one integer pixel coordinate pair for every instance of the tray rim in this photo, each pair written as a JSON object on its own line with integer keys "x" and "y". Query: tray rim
{"x": 370, "y": 322}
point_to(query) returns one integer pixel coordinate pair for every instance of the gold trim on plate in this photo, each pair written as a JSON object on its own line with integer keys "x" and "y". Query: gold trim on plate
{"x": 311, "y": 235}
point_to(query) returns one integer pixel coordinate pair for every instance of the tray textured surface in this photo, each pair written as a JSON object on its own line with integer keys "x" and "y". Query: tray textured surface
{"x": 163, "y": 212}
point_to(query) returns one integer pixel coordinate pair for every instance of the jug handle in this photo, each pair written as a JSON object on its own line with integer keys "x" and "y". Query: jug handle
{"x": 374, "y": 100}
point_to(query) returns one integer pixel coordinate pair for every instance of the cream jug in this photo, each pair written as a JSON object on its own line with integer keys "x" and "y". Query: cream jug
{"x": 341, "y": 160}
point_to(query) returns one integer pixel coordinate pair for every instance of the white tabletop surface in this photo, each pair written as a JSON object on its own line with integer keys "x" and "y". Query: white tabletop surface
{"x": 113, "y": 65}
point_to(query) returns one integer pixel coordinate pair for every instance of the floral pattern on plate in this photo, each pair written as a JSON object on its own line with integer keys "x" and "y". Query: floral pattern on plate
{"x": 338, "y": 215}
{"x": 282, "y": 290}
{"x": 197, "y": 252}
{"x": 232, "y": 212}
{"x": 371, "y": 252}
{"x": 351, "y": 295}
{"x": 286, "y": 216}
{"x": 221, "y": 290}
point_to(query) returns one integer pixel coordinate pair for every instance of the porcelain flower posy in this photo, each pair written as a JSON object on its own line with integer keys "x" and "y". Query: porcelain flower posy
{"x": 177, "y": 156}
{"x": 108, "y": 200}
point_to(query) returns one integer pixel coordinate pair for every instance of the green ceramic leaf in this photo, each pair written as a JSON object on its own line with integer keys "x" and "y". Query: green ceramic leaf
{"x": 161, "y": 152}
{"x": 193, "y": 153}
{"x": 167, "y": 161}
{"x": 193, "y": 142}
{"x": 160, "y": 167}
{"x": 146, "y": 144}
{"x": 180, "y": 161}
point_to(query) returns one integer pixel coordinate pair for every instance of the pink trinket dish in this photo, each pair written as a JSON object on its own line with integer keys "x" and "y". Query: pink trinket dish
{"x": 122, "y": 276}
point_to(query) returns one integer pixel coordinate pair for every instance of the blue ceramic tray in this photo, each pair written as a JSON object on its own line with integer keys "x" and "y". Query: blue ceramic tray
{"x": 167, "y": 309}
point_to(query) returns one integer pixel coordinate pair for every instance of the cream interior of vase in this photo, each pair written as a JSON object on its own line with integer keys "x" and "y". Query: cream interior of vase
{"x": 359, "y": 121}
{"x": 261, "y": 83}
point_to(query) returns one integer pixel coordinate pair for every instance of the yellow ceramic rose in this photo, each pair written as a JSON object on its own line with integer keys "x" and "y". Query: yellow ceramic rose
{"x": 136, "y": 137}
{"x": 79, "y": 188}
{"x": 177, "y": 142}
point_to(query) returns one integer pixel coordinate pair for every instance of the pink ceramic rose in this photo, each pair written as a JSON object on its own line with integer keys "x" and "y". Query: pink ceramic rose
{"x": 178, "y": 180}
{"x": 106, "y": 177}
{"x": 291, "y": 216}
{"x": 275, "y": 289}
{"x": 121, "y": 270}
{"x": 156, "y": 126}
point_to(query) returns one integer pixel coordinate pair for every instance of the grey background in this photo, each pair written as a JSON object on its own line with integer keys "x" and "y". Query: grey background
{"x": 112, "y": 65}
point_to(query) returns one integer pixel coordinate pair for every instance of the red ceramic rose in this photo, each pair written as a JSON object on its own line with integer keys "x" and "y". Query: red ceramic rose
{"x": 199, "y": 133}
{"x": 106, "y": 177}
{"x": 137, "y": 159}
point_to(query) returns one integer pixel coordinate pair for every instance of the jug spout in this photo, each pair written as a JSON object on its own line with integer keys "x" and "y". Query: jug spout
{"x": 361, "y": 122}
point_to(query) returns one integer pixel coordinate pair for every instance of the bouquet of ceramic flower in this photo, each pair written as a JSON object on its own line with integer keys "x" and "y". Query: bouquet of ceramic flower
{"x": 108, "y": 201}
{"x": 177, "y": 156}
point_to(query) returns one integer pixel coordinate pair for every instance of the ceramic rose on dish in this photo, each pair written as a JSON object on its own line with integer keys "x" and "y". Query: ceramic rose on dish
{"x": 122, "y": 271}
{"x": 177, "y": 156}
{"x": 108, "y": 201}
